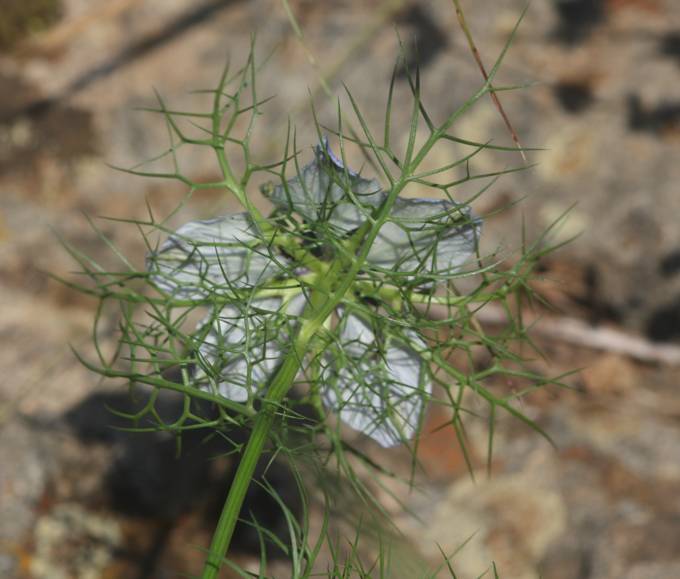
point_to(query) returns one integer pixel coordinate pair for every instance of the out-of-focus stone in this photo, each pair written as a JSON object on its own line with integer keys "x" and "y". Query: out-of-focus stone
{"x": 73, "y": 542}
{"x": 511, "y": 519}
{"x": 27, "y": 461}
{"x": 610, "y": 375}
{"x": 439, "y": 448}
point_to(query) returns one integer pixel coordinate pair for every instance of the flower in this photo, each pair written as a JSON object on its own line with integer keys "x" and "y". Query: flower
{"x": 430, "y": 237}
{"x": 372, "y": 375}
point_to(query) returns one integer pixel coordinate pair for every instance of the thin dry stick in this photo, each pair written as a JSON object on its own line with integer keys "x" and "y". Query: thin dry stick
{"x": 478, "y": 59}
{"x": 480, "y": 64}
{"x": 580, "y": 333}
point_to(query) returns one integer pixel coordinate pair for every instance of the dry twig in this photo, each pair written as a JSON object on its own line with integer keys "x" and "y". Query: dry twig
{"x": 579, "y": 332}
{"x": 480, "y": 64}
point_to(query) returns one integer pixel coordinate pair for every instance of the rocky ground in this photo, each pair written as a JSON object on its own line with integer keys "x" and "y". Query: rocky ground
{"x": 77, "y": 500}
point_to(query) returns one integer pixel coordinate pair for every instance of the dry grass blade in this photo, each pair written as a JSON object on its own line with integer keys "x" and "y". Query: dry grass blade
{"x": 480, "y": 64}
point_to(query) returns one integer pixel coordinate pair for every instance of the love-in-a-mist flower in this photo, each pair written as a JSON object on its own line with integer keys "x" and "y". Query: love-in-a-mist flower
{"x": 367, "y": 367}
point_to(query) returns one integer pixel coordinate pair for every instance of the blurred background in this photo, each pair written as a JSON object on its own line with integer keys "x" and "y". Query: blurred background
{"x": 78, "y": 499}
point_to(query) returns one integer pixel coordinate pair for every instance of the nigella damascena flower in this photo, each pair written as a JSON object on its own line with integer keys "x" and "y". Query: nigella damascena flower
{"x": 371, "y": 374}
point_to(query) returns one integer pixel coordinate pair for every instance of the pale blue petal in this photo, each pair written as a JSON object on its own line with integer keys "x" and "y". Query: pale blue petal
{"x": 244, "y": 346}
{"x": 426, "y": 236}
{"x": 203, "y": 257}
{"x": 319, "y": 193}
{"x": 377, "y": 393}
{"x": 236, "y": 352}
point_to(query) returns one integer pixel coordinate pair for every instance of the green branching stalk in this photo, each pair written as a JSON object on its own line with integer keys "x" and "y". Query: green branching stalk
{"x": 341, "y": 306}
{"x": 327, "y": 296}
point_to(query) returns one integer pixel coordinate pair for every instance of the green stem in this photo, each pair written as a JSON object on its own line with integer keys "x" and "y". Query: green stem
{"x": 325, "y": 297}
{"x": 321, "y": 305}
{"x": 232, "y": 506}
{"x": 324, "y": 300}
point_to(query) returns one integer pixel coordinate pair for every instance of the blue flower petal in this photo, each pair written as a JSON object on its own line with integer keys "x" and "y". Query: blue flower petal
{"x": 204, "y": 257}
{"x": 379, "y": 393}
{"x": 243, "y": 346}
{"x": 326, "y": 192}
{"x": 426, "y": 236}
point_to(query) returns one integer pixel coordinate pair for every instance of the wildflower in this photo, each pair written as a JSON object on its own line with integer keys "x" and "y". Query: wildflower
{"x": 372, "y": 375}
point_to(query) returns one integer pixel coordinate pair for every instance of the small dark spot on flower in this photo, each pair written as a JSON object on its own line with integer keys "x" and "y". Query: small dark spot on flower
{"x": 370, "y": 301}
